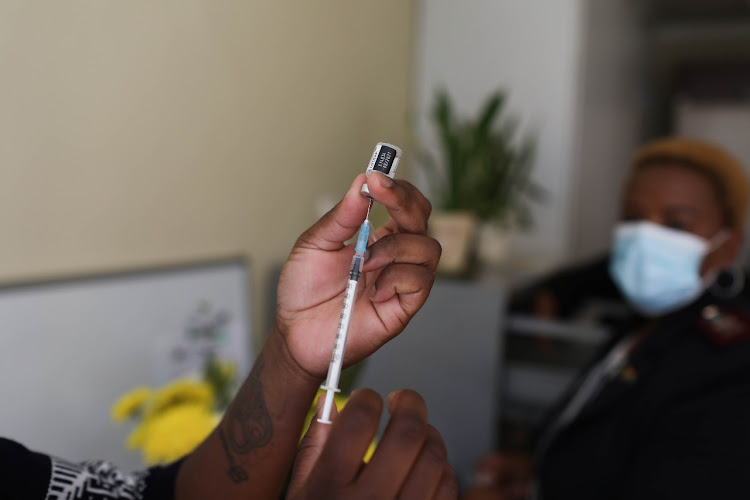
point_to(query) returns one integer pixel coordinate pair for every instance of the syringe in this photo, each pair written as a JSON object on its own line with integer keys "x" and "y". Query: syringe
{"x": 384, "y": 159}
{"x": 331, "y": 384}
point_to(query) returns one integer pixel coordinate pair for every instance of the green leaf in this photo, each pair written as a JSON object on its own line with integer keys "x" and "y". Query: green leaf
{"x": 482, "y": 166}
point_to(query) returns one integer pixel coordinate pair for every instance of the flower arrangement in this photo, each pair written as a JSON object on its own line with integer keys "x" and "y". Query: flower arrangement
{"x": 174, "y": 419}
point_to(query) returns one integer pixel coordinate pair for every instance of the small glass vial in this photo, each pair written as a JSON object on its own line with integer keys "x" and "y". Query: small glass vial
{"x": 385, "y": 160}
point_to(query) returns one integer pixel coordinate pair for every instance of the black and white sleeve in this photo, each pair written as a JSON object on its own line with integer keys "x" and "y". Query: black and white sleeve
{"x": 26, "y": 474}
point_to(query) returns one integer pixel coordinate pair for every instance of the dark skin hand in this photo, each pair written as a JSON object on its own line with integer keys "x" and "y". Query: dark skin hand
{"x": 502, "y": 476}
{"x": 410, "y": 460}
{"x": 396, "y": 276}
{"x": 251, "y": 451}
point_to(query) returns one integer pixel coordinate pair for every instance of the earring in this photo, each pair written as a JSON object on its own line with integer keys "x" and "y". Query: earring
{"x": 736, "y": 277}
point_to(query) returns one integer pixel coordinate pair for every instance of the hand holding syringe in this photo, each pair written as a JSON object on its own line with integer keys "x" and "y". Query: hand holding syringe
{"x": 384, "y": 159}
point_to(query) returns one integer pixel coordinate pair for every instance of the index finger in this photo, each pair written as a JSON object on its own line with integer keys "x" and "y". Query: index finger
{"x": 407, "y": 206}
{"x": 340, "y": 223}
{"x": 426, "y": 475}
{"x": 309, "y": 450}
{"x": 399, "y": 447}
{"x": 349, "y": 438}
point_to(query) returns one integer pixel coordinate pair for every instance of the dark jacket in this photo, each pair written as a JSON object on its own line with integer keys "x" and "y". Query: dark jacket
{"x": 674, "y": 422}
{"x": 572, "y": 287}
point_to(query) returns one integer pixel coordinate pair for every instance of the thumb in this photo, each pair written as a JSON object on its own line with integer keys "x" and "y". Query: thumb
{"x": 309, "y": 450}
{"x": 341, "y": 222}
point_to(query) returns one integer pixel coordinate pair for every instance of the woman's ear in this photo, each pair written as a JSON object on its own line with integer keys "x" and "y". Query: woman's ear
{"x": 724, "y": 255}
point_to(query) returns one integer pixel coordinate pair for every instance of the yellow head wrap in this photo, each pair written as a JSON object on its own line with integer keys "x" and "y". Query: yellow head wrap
{"x": 721, "y": 167}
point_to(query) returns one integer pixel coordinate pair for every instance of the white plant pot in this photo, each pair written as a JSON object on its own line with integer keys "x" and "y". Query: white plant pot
{"x": 456, "y": 231}
{"x": 494, "y": 244}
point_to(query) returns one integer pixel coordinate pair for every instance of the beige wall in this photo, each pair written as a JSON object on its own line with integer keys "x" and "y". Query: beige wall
{"x": 135, "y": 133}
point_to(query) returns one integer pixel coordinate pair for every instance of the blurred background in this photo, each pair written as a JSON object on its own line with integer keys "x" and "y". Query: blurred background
{"x": 136, "y": 134}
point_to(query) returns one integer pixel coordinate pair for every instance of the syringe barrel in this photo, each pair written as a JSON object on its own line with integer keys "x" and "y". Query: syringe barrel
{"x": 355, "y": 271}
{"x": 337, "y": 358}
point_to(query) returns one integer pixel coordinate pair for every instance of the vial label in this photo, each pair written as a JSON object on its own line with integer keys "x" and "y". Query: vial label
{"x": 384, "y": 159}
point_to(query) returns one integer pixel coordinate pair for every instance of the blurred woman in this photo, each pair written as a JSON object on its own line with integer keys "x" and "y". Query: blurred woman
{"x": 665, "y": 411}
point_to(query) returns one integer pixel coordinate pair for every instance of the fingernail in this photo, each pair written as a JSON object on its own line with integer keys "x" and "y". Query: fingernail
{"x": 390, "y": 400}
{"x": 390, "y": 397}
{"x": 372, "y": 291}
{"x": 386, "y": 181}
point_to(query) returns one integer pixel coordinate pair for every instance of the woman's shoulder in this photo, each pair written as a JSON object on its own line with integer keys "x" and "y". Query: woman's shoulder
{"x": 725, "y": 322}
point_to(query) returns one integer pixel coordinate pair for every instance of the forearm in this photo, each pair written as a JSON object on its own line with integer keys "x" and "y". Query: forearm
{"x": 250, "y": 452}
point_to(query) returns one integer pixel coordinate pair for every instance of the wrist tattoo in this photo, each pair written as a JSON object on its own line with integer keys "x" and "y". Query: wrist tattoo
{"x": 248, "y": 425}
{"x": 236, "y": 472}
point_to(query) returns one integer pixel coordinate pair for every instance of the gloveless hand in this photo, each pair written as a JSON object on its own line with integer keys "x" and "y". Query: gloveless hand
{"x": 397, "y": 275}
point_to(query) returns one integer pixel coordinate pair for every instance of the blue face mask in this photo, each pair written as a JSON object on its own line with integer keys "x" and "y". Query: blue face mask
{"x": 657, "y": 268}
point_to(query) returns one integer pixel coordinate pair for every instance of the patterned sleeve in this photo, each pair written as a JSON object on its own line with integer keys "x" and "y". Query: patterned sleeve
{"x": 29, "y": 475}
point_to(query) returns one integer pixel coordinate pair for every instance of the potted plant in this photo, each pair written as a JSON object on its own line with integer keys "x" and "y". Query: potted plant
{"x": 481, "y": 179}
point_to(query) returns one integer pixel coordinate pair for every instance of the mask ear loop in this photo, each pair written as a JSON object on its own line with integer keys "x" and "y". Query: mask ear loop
{"x": 736, "y": 285}
{"x": 717, "y": 240}
{"x": 738, "y": 277}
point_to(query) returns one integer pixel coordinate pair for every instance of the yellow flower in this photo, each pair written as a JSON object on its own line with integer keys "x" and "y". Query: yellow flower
{"x": 179, "y": 392}
{"x": 175, "y": 432}
{"x": 138, "y": 436}
{"x": 131, "y": 404}
{"x": 172, "y": 420}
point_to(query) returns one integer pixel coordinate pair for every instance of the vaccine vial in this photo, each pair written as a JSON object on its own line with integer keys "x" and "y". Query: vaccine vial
{"x": 385, "y": 160}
